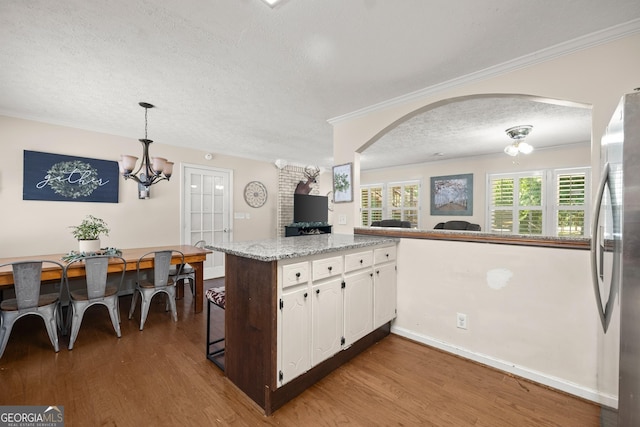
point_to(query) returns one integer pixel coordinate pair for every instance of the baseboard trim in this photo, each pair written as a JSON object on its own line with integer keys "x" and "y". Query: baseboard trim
{"x": 535, "y": 376}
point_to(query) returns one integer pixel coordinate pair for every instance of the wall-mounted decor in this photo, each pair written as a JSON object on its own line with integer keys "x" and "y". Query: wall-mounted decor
{"x": 311, "y": 173}
{"x": 68, "y": 178}
{"x": 255, "y": 194}
{"x": 452, "y": 195}
{"x": 342, "y": 183}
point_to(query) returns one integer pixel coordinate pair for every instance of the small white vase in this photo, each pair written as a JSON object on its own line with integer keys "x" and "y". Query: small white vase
{"x": 88, "y": 246}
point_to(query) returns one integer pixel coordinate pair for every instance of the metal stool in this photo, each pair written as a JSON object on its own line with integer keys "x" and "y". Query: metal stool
{"x": 215, "y": 296}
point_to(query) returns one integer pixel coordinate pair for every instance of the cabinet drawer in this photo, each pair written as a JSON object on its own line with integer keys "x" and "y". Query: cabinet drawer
{"x": 323, "y": 268}
{"x": 381, "y": 255}
{"x": 358, "y": 260}
{"x": 295, "y": 274}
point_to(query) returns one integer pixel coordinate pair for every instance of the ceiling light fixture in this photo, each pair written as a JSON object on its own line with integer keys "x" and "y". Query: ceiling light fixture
{"x": 518, "y": 134}
{"x": 151, "y": 169}
{"x": 272, "y": 3}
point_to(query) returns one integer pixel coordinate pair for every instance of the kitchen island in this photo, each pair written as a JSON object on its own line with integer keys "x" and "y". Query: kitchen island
{"x": 299, "y": 307}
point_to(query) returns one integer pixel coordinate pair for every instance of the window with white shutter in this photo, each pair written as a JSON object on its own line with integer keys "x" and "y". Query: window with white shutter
{"x": 397, "y": 200}
{"x": 403, "y": 201}
{"x": 549, "y": 202}
{"x": 571, "y": 213}
{"x": 371, "y": 199}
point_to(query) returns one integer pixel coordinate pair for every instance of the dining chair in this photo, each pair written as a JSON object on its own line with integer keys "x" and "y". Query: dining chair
{"x": 159, "y": 283}
{"x": 29, "y": 300}
{"x": 188, "y": 273}
{"x": 96, "y": 290}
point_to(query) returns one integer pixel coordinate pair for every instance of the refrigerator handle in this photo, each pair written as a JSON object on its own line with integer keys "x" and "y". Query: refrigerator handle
{"x": 594, "y": 246}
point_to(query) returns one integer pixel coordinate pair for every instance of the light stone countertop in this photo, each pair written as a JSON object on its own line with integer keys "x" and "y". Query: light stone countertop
{"x": 298, "y": 246}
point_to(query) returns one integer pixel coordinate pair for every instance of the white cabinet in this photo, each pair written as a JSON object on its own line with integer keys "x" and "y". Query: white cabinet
{"x": 294, "y": 320}
{"x": 386, "y": 254}
{"x": 295, "y": 357}
{"x": 384, "y": 285}
{"x": 295, "y": 274}
{"x": 358, "y": 260}
{"x": 326, "y": 323}
{"x": 328, "y": 302}
{"x": 358, "y": 306}
{"x": 327, "y": 267}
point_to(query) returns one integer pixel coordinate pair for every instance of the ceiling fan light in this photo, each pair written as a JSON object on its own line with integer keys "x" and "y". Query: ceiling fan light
{"x": 518, "y": 134}
{"x": 272, "y": 3}
{"x": 525, "y": 148}
{"x": 511, "y": 150}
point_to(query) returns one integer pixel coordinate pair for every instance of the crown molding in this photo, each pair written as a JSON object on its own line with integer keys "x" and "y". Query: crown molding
{"x": 561, "y": 49}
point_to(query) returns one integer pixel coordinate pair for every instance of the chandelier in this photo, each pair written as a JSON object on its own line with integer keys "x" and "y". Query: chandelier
{"x": 151, "y": 169}
{"x": 518, "y": 134}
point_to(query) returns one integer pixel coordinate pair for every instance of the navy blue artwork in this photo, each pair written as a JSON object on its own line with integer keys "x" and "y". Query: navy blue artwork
{"x": 69, "y": 179}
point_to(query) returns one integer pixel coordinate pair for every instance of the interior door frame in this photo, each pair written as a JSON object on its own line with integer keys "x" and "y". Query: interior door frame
{"x": 183, "y": 167}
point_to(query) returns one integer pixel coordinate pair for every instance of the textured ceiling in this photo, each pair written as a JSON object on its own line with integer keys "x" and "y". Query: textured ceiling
{"x": 476, "y": 126}
{"x": 240, "y": 78}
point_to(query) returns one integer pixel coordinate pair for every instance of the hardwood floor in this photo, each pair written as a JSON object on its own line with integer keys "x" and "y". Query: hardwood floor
{"x": 160, "y": 376}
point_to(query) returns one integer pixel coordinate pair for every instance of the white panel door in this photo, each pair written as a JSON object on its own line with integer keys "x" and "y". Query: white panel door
{"x": 326, "y": 323}
{"x": 295, "y": 345}
{"x": 358, "y": 306}
{"x": 385, "y": 284}
{"x": 206, "y": 215}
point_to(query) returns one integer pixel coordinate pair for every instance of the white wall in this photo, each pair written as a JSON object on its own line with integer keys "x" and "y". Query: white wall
{"x": 530, "y": 310}
{"x": 41, "y": 227}
{"x": 578, "y": 155}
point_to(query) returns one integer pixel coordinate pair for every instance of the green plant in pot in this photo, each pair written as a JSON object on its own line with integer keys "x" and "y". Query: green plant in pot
{"x": 88, "y": 233}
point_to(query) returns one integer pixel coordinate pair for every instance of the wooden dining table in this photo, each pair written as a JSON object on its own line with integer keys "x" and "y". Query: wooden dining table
{"x": 193, "y": 256}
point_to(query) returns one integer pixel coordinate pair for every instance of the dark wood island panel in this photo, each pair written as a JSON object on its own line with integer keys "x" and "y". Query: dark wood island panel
{"x": 251, "y": 336}
{"x": 251, "y": 325}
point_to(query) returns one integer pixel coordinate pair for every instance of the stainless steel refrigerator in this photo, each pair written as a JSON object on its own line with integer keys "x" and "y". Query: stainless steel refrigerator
{"x": 615, "y": 259}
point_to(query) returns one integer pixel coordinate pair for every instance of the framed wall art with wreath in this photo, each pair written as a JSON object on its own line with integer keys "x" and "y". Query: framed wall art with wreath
{"x": 58, "y": 177}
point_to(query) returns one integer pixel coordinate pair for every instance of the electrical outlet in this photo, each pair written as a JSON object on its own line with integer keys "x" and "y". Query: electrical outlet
{"x": 461, "y": 320}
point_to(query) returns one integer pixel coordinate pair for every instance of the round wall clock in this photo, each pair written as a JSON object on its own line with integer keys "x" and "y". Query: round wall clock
{"x": 255, "y": 194}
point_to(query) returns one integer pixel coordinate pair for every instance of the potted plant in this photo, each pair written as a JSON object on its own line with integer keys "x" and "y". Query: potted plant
{"x": 88, "y": 233}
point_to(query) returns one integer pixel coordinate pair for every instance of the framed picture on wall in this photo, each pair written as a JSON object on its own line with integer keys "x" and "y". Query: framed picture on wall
{"x": 343, "y": 183}
{"x": 452, "y": 195}
{"x": 64, "y": 178}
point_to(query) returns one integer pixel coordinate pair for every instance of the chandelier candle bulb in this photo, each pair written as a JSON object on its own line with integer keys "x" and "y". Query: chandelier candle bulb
{"x": 158, "y": 164}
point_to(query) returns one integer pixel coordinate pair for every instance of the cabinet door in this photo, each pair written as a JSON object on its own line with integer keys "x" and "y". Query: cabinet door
{"x": 384, "y": 284}
{"x": 326, "y": 323}
{"x": 358, "y": 306}
{"x": 295, "y": 346}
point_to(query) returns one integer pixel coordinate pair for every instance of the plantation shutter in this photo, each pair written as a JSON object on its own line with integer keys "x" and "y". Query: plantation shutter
{"x": 502, "y": 206}
{"x": 571, "y": 209}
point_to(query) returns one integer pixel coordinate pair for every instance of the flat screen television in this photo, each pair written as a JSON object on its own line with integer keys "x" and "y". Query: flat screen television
{"x": 309, "y": 208}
